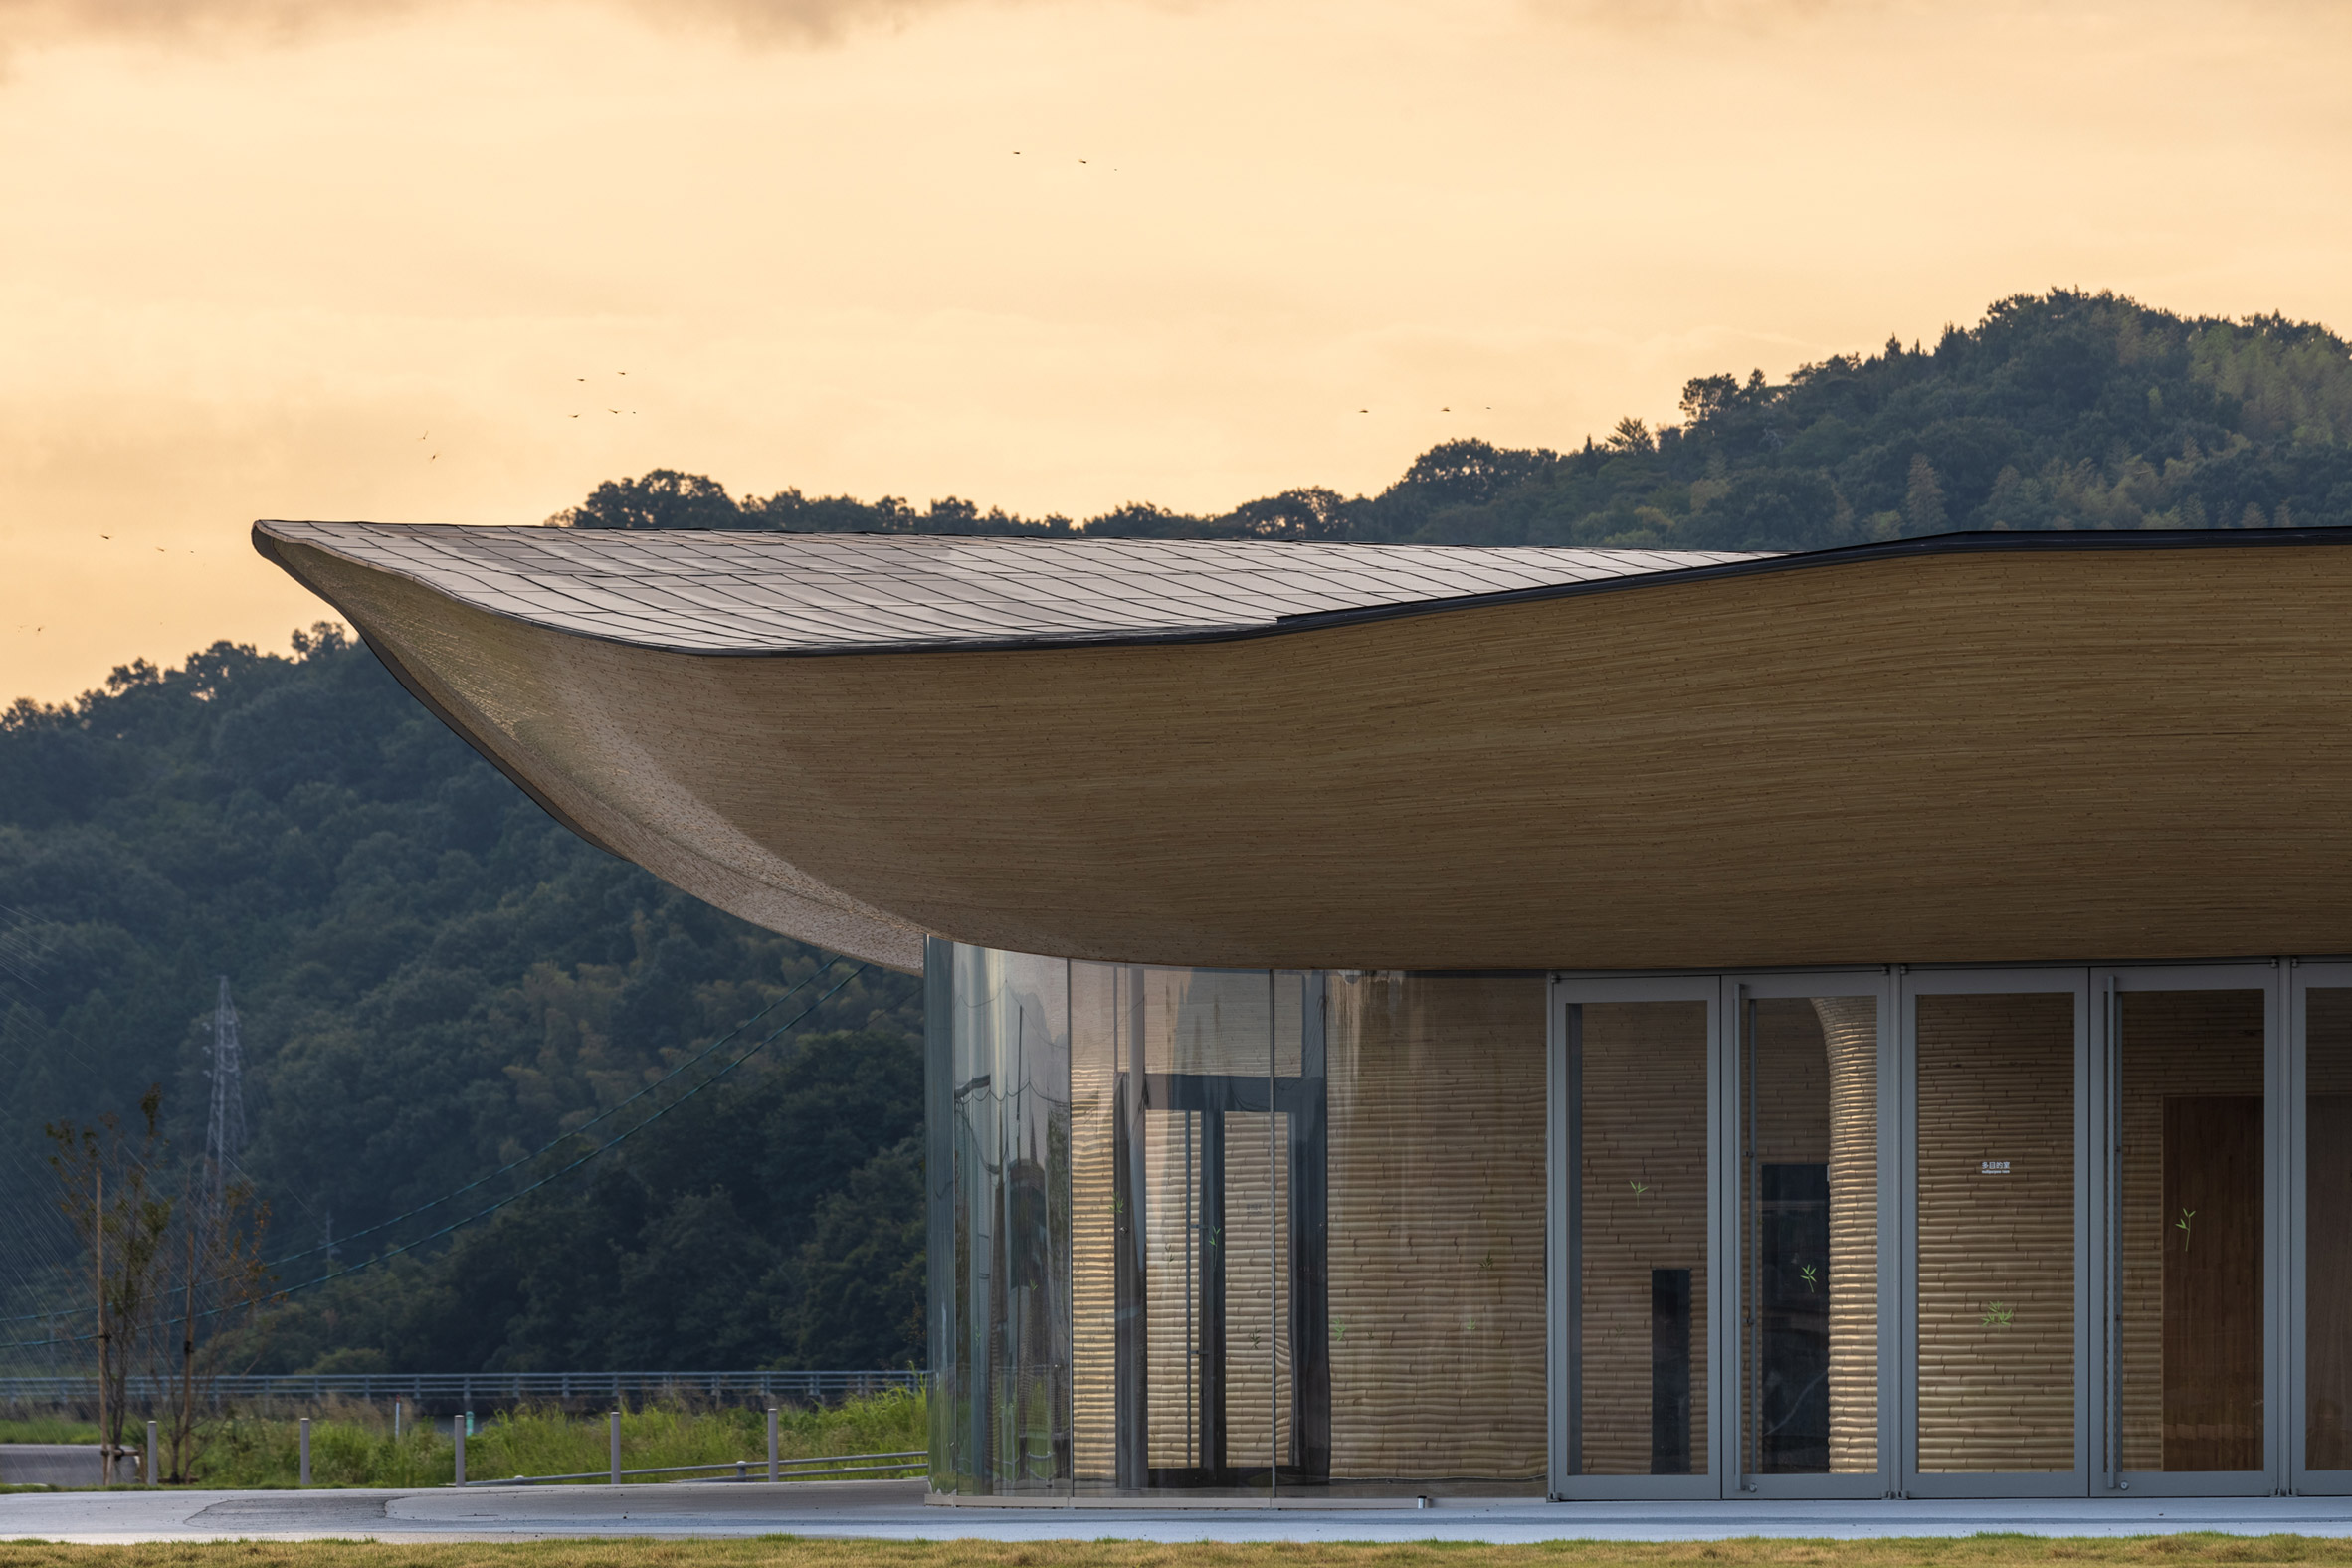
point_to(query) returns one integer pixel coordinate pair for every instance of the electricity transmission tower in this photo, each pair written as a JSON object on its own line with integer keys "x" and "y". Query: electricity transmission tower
{"x": 224, "y": 1138}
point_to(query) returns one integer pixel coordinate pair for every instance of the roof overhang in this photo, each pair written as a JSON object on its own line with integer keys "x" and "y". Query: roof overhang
{"x": 1994, "y": 748}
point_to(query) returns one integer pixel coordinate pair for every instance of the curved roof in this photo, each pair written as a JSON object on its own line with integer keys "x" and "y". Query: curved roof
{"x": 743, "y": 593}
{"x": 1978, "y": 748}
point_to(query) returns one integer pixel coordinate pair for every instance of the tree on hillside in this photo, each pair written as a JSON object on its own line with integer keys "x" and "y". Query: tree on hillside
{"x": 2066, "y": 410}
{"x": 435, "y": 979}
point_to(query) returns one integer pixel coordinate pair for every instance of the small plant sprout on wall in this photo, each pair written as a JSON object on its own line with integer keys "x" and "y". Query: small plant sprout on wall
{"x": 1998, "y": 1315}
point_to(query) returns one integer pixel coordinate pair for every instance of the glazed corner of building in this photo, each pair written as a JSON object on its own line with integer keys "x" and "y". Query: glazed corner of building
{"x": 1285, "y": 1236}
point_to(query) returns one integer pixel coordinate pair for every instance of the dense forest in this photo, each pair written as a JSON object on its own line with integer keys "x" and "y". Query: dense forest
{"x": 2066, "y": 410}
{"x": 435, "y": 980}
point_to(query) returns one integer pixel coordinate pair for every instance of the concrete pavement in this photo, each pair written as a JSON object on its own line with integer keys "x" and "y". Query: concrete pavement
{"x": 895, "y": 1511}
{"x": 49, "y": 1464}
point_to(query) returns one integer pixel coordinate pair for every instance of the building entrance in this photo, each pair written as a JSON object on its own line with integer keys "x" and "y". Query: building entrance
{"x": 1222, "y": 1292}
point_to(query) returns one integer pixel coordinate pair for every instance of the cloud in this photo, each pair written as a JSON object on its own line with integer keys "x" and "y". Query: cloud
{"x": 218, "y": 23}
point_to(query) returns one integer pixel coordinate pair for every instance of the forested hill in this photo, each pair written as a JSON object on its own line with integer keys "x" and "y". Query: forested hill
{"x": 2065, "y": 411}
{"x": 433, "y": 978}
{"x": 436, "y": 979}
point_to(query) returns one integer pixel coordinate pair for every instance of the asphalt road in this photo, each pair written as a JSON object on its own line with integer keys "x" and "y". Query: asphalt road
{"x": 896, "y": 1511}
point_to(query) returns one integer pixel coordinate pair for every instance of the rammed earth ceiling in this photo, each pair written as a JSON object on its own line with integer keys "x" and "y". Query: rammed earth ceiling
{"x": 2016, "y": 748}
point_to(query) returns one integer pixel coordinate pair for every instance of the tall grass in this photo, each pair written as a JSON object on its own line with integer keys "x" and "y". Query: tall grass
{"x": 47, "y": 1429}
{"x": 351, "y": 1445}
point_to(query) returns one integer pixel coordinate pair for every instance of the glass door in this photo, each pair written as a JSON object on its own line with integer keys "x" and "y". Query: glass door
{"x": 1996, "y": 1313}
{"x": 1638, "y": 1323}
{"x": 2318, "y": 1229}
{"x": 1220, "y": 1205}
{"x": 1810, "y": 1074}
{"x": 2187, "y": 1231}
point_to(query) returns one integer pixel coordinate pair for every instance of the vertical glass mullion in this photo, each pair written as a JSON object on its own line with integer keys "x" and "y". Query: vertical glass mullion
{"x": 2292, "y": 1428}
{"x": 2279, "y": 1401}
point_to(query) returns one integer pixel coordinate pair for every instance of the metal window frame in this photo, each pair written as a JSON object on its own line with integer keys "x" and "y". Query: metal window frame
{"x": 1561, "y": 1234}
{"x": 1878, "y": 985}
{"x": 1911, "y": 985}
{"x": 2108, "y": 985}
{"x": 2294, "y": 1219}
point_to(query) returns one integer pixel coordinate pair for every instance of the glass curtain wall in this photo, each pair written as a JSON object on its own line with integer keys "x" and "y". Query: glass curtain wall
{"x": 1000, "y": 1071}
{"x": 1809, "y": 1221}
{"x": 1994, "y": 1233}
{"x": 2327, "y": 1229}
{"x": 2188, "y": 1228}
{"x": 1636, "y": 1335}
{"x": 1292, "y": 1228}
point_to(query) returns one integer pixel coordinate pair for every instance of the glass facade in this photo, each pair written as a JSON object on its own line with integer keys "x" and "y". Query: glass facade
{"x": 1809, "y": 1235}
{"x": 1638, "y": 1229}
{"x": 1234, "y": 1230}
{"x": 1996, "y": 1203}
{"x": 1964, "y": 1233}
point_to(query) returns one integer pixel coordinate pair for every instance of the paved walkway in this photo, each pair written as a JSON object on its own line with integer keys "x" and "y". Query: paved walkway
{"x": 895, "y": 1511}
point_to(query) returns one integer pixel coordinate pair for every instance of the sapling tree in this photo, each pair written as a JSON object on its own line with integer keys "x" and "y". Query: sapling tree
{"x": 109, "y": 1193}
{"x": 212, "y": 1306}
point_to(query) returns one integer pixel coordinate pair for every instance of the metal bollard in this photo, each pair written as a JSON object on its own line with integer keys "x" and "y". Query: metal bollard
{"x": 772, "y": 1465}
{"x": 150, "y": 1475}
{"x": 305, "y": 1451}
{"x": 396, "y": 1421}
{"x": 457, "y": 1432}
{"x": 616, "y": 1448}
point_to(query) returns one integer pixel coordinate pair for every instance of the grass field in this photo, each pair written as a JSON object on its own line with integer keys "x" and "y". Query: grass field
{"x": 47, "y": 1429}
{"x": 1981, "y": 1551}
{"x": 352, "y": 1445}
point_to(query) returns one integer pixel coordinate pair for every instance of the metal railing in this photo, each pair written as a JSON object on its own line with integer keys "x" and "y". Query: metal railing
{"x": 844, "y": 1465}
{"x": 468, "y": 1389}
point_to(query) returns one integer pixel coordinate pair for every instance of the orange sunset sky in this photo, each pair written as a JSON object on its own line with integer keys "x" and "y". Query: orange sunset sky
{"x": 384, "y": 259}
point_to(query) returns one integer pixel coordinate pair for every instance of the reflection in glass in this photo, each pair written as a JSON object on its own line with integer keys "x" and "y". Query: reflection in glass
{"x": 1437, "y": 1288}
{"x": 2327, "y": 1219}
{"x": 1638, "y": 1229}
{"x": 2189, "y": 1248}
{"x": 1809, "y": 1109}
{"x": 1198, "y": 1228}
{"x": 1004, "y": 1373}
{"x": 1996, "y": 1233}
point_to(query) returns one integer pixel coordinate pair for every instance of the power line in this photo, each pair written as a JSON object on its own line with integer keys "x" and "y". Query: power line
{"x": 224, "y": 1133}
{"x": 489, "y": 1210}
{"x": 339, "y": 1242}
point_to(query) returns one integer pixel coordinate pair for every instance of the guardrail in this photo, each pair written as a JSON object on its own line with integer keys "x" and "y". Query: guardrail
{"x": 771, "y": 1470}
{"x": 466, "y": 1390}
